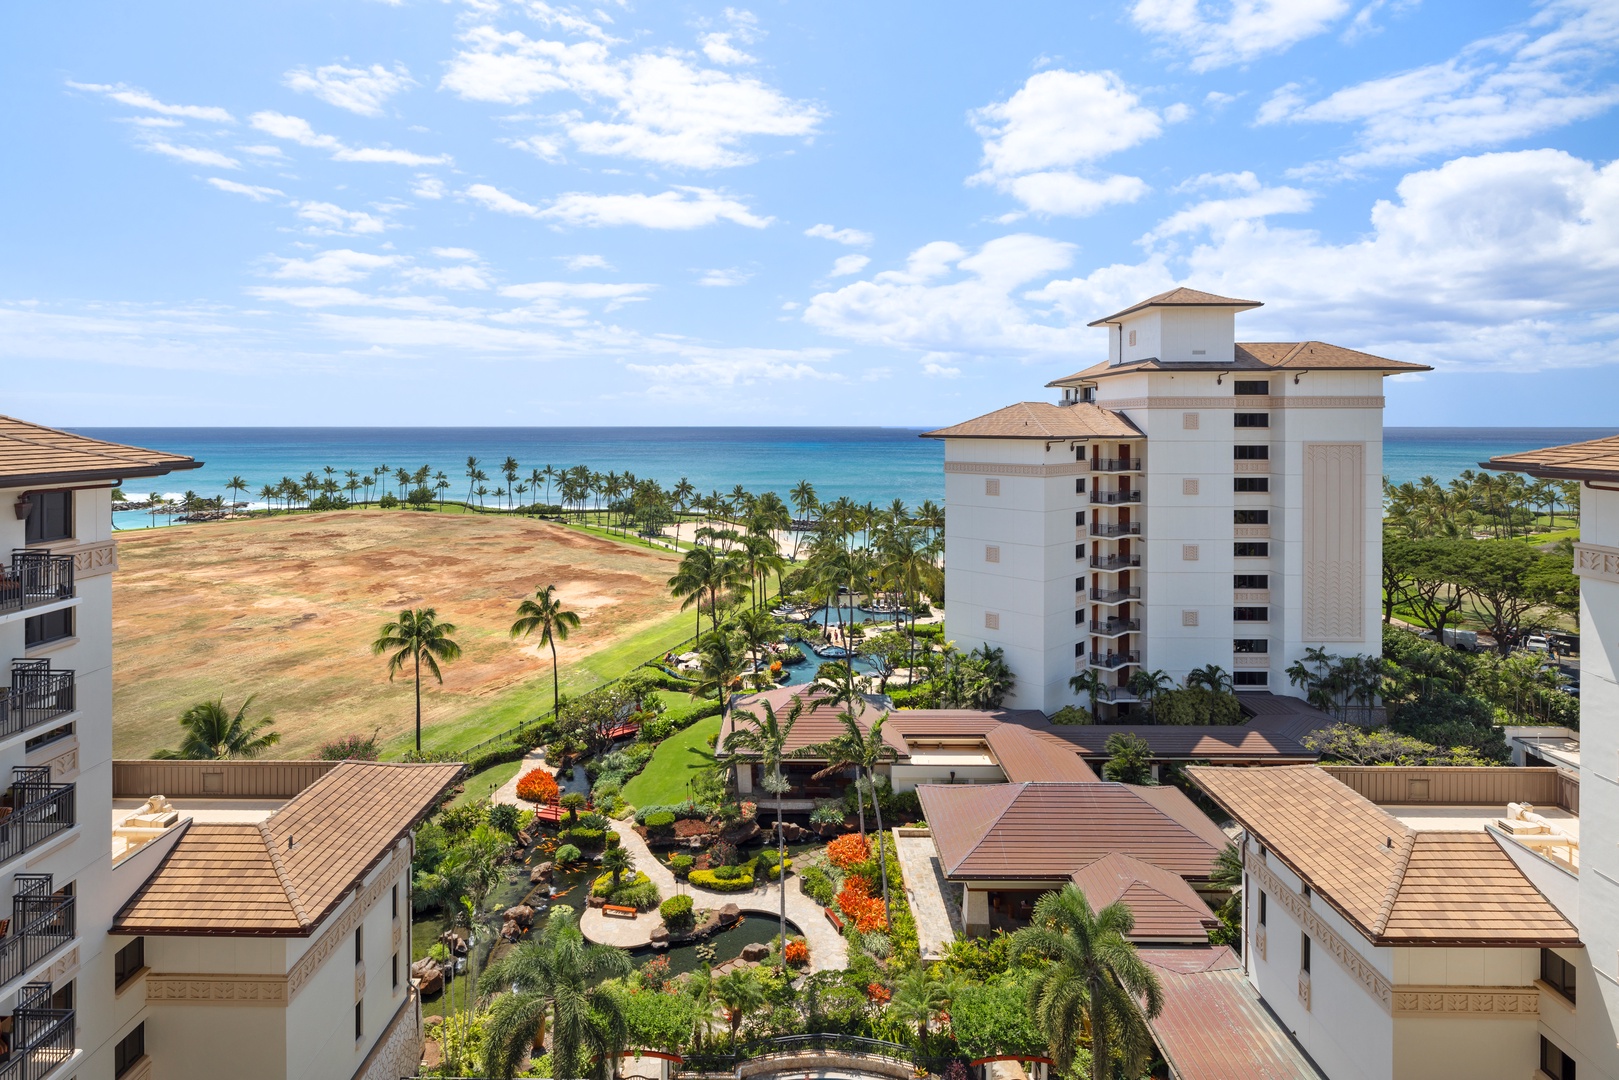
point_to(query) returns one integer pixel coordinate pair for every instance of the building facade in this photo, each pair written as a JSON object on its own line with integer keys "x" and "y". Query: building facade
{"x": 1190, "y": 501}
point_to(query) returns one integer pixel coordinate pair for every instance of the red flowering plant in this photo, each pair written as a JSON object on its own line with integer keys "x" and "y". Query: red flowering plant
{"x": 847, "y": 851}
{"x": 655, "y": 973}
{"x": 878, "y": 993}
{"x": 538, "y": 786}
{"x": 857, "y": 904}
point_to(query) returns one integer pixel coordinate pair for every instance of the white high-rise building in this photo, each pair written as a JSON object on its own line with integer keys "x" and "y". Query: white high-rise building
{"x": 1192, "y": 500}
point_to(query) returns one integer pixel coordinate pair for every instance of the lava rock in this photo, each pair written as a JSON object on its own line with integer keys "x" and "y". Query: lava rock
{"x": 660, "y": 934}
{"x": 755, "y": 952}
{"x": 729, "y": 914}
{"x": 428, "y": 975}
{"x": 522, "y": 915}
{"x": 597, "y": 901}
{"x": 540, "y": 873}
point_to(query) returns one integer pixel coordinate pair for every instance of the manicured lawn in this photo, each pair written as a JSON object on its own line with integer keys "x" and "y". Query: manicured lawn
{"x": 664, "y": 780}
{"x": 482, "y": 785}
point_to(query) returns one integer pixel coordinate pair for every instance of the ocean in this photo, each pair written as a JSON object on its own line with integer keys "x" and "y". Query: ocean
{"x": 875, "y": 465}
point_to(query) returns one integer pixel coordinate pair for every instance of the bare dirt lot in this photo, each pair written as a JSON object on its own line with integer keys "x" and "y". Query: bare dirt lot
{"x": 286, "y": 608}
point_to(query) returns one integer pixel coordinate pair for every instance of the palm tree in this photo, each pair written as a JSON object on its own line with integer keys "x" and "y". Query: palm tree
{"x": 865, "y": 750}
{"x": 700, "y": 988}
{"x": 546, "y": 614}
{"x": 919, "y": 997}
{"x": 268, "y": 493}
{"x": 212, "y": 733}
{"x": 704, "y": 570}
{"x": 1209, "y": 677}
{"x": 739, "y": 993}
{"x": 1147, "y": 685}
{"x": 508, "y": 469}
{"x": 758, "y": 631}
{"x": 722, "y": 663}
{"x": 767, "y": 737}
{"x": 618, "y": 861}
{"x": 472, "y": 477}
{"x": 1090, "y": 683}
{"x": 417, "y": 635}
{"x": 557, "y": 978}
{"x": 1092, "y": 982}
{"x": 236, "y": 484}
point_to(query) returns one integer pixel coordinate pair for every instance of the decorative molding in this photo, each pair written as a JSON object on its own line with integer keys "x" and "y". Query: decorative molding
{"x": 323, "y": 947}
{"x": 1499, "y": 1002}
{"x": 399, "y": 933}
{"x": 992, "y": 620}
{"x": 992, "y": 553}
{"x": 1251, "y": 596}
{"x": 1329, "y": 940}
{"x": 1251, "y": 532}
{"x": 1249, "y": 661}
{"x": 93, "y": 559}
{"x": 65, "y": 765}
{"x": 997, "y": 468}
{"x": 1245, "y": 402}
{"x": 66, "y": 966}
{"x": 1190, "y": 421}
{"x": 1597, "y": 562}
{"x": 210, "y": 989}
{"x": 1334, "y": 541}
{"x": 1250, "y": 466}
{"x": 1189, "y": 485}
{"x": 398, "y": 1050}
{"x": 992, "y": 486}
{"x": 1079, "y": 531}
{"x": 1188, "y": 618}
{"x": 1189, "y": 553}
{"x": 1259, "y": 942}
{"x": 1304, "y": 989}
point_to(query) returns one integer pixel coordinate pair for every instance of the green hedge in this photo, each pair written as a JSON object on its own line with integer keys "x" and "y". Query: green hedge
{"x": 681, "y": 865}
{"x": 588, "y": 839}
{"x": 705, "y": 879}
{"x": 634, "y": 890}
{"x": 661, "y": 823}
{"x": 677, "y": 912}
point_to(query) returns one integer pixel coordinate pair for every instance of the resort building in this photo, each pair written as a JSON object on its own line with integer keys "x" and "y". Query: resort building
{"x": 1192, "y": 500}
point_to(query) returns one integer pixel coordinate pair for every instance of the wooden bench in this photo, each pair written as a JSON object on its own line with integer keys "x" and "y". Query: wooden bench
{"x": 620, "y": 910}
{"x": 832, "y": 917}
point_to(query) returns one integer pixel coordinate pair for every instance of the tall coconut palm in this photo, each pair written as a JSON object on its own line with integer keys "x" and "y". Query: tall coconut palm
{"x": 1090, "y": 683}
{"x": 1147, "y": 685}
{"x": 236, "y": 484}
{"x": 268, "y": 493}
{"x": 1209, "y": 677}
{"x": 1092, "y": 983}
{"x": 546, "y": 614}
{"x": 723, "y": 659}
{"x": 765, "y": 735}
{"x": 864, "y": 749}
{"x": 556, "y": 979}
{"x": 212, "y": 733}
{"x": 508, "y": 469}
{"x": 920, "y": 996}
{"x": 472, "y": 477}
{"x": 418, "y": 637}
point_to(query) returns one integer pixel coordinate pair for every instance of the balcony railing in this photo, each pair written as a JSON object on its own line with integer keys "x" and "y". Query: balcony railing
{"x": 41, "y": 1037}
{"x": 37, "y": 695}
{"x": 1115, "y": 626}
{"x": 41, "y": 922}
{"x": 1128, "y": 464}
{"x": 1115, "y": 694}
{"x": 1116, "y": 596}
{"x": 1114, "y": 562}
{"x": 1123, "y": 528}
{"x": 1114, "y": 498}
{"x": 1114, "y": 659}
{"x": 33, "y": 578}
{"x": 37, "y": 811}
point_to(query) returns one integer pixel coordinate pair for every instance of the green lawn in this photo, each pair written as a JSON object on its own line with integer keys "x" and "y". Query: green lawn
{"x": 664, "y": 780}
{"x": 482, "y": 785}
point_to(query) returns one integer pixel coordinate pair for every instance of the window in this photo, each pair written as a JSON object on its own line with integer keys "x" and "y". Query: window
{"x": 130, "y": 1049}
{"x": 63, "y": 997}
{"x": 1250, "y": 678}
{"x": 1079, "y": 551}
{"x": 1251, "y": 645}
{"x": 1251, "y": 387}
{"x": 1247, "y": 549}
{"x": 1557, "y": 973}
{"x": 396, "y": 971}
{"x": 1250, "y": 581}
{"x": 1251, "y": 483}
{"x": 1079, "y": 617}
{"x": 359, "y": 944}
{"x": 51, "y": 517}
{"x": 1304, "y": 890}
{"x": 1079, "y": 648}
{"x": 1079, "y": 584}
{"x": 46, "y": 628}
{"x": 1079, "y": 519}
{"x": 1243, "y": 452}
{"x": 50, "y": 736}
{"x": 395, "y": 901}
{"x": 1079, "y": 486}
{"x": 992, "y": 487}
{"x": 129, "y": 962}
{"x": 1250, "y": 614}
{"x": 1262, "y": 908}
{"x": 1251, "y": 419}
{"x": 1251, "y": 517}
{"x": 359, "y": 1020}
{"x": 1304, "y": 952}
{"x": 1553, "y": 1062}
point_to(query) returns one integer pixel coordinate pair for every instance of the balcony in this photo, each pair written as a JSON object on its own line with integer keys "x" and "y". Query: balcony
{"x": 1116, "y": 596}
{"x": 1115, "y": 694}
{"x": 1115, "y": 498}
{"x": 1116, "y": 464}
{"x": 1115, "y": 562}
{"x": 41, "y": 1037}
{"x": 37, "y": 695}
{"x": 1115, "y": 627}
{"x": 33, "y": 811}
{"x": 1103, "y": 530}
{"x": 41, "y": 922}
{"x": 1114, "y": 660}
{"x": 35, "y": 578}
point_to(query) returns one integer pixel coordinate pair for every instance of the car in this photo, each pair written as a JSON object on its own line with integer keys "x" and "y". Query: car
{"x": 1537, "y": 643}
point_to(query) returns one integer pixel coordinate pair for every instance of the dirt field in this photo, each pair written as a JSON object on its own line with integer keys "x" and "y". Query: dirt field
{"x": 287, "y": 608}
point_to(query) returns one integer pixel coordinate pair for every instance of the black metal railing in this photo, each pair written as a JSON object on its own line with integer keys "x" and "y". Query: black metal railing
{"x": 41, "y": 1036}
{"x": 35, "y": 577}
{"x": 1123, "y": 528}
{"x": 1114, "y": 562}
{"x": 1114, "y": 659}
{"x": 38, "y": 810}
{"x": 1114, "y": 498}
{"x": 824, "y": 1042}
{"x": 41, "y": 922}
{"x": 1128, "y": 464}
{"x": 1115, "y": 626}
{"x": 1115, "y": 693}
{"x": 37, "y": 695}
{"x": 1115, "y": 596}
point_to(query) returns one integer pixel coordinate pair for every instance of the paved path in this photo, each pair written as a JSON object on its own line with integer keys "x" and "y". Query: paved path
{"x": 928, "y": 892}
{"x": 507, "y": 792}
{"x": 828, "y": 950}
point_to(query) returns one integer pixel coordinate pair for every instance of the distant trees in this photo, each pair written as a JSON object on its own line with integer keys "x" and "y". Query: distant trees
{"x": 1508, "y": 588}
{"x": 212, "y": 732}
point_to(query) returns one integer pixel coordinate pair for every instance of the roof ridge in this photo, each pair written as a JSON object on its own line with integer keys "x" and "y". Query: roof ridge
{"x": 291, "y": 890}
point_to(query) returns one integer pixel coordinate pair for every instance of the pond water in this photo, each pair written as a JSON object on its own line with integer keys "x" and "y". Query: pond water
{"x": 754, "y": 929}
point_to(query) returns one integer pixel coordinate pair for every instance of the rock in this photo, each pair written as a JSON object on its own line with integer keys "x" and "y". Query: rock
{"x": 660, "y": 946}
{"x": 597, "y": 901}
{"x": 454, "y": 942}
{"x": 729, "y": 914}
{"x": 540, "y": 873}
{"x": 660, "y": 934}
{"x": 755, "y": 952}
{"x": 522, "y": 915}
{"x": 432, "y": 1021}
{"x": 510, "y": 931}
{"x": 428, "y": 975}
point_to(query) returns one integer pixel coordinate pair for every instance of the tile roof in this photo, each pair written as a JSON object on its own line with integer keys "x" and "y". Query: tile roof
{"x": 1396, "y": 885}
{"x": 1175, "y": 803}
{"x": 1223, "y": 743}
{"x": 285, "y": 875}
{"x": 1042, "y": 420}
{"x": 1256, "y": 356}
{"x": 1045, "y": 831}
{"x": 818, "y": 723}
{"x": 33, "y": 456}
{"x": 1597, "y": 459}
{"x": 1165, "y": 907}
{"x": 1181, "y": 297}
{"x": 1025, "y": 755}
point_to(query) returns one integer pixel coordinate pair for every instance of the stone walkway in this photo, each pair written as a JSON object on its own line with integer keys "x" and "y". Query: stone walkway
{"x": 937, "y": 924}
{"x": 828, "y": 950}
{"x": 507, "y": 792}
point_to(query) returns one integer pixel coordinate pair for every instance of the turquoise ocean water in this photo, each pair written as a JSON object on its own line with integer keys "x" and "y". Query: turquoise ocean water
{"x": 874, "y": 465}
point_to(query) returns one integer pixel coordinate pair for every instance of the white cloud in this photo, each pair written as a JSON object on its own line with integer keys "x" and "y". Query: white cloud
{"x": 718, "y": 48}
{"x": 428, "y": 187}
{"x": 152, "y": 121}
{"x": 1177, "y": 113}
{"x": 455, "y": 253}
{"x": 586, "y": 262}
{"x": 322, "y": 296}
{"x": 329, "y": 219}
{"x": 937, "y": 366}
{"x": 1244, "y": 30}
{"x": 194, "y": 155}
{"x": 724, "y": 279}
{"x": 678, "y": 208}
{"x": 257, "y": 194}
{"x": 273, "y": 153}
{"x": 1245, "y": 182}
{"x": 1495, "y": 90}
{"x": 1217, "y": 99}
{"x": 449, "y": 277}
{"x": 297, "y": 129}
{"x": 576, "y": 290}
{"x": 136, "y": 98}
{"x": 1219, "y": 214}
{"x": 359, "y": 90}
{"x": 1040, "y": 144}
{"x": 849, "y": 264}
{"x": 335, "y": 267}
{"x": 701, "y": 366}
{"x": 849, "y": 237}
{"x": 655, "y": 106}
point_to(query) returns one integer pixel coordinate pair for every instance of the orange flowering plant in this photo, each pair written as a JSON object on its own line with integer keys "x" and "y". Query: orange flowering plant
{"x": 857, "y": 903}
{"x": 538, "y": 786}
{"x": 797, "y": 953}
{"x": 847, "y": 851}
{"x": 878, "y": 993}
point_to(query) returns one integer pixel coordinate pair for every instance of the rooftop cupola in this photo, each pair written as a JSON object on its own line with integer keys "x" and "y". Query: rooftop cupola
{"x": 1181, "y": 326}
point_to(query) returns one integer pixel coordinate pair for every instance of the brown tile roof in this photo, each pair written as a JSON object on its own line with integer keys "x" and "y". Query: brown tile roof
{"x": 1463, "y": 889}
{"x": 1175, "y": 803}
{"x": 818, "y": 723}
{"x": 1257, "y": 356}
{"x": 1165, "y": 907}
{"x": 1042, "y": 420}
{"x": 35, "y": 456}
{"x": 1026, "y": 755}
{"x": 287, "y": 874}
{"x": 1597, "y": 459}
{"x": 1181, "y": 297}
{"x": 1046, "y": 831}
{"x": 1221, "y": 743}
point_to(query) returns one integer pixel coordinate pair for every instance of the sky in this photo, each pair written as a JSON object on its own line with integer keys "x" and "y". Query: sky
{"x": 508, "y": 212}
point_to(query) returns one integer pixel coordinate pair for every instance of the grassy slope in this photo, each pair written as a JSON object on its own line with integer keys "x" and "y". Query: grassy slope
{"x": 676, "y": 761}
{"x": 480, "y": 786}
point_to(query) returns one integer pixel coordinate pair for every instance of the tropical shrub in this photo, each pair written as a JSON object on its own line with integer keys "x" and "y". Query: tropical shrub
{"x": 817, "y": 886}
{"x": 589, "y": 839}
{"x": 1072, "y": 714}
{"x": 828, "y": 812}
{"x": 728, "y": 873}
{"x": 878, "y": 993}
{"x": 705, "y": 879}
{"x": 658, "y": 1021}
{"x": 1196, "y": 705}
{"x": 350, "y": 748}
{"x": 990, "y": 1020}
{"x": 860, "y": 907}
{"x": 567, "y": 854}
{"x": 633, "y": 890}
{"x": 661, "y": 824}
{"x": 592, "y": 821}
{"x": 677, "y": 913}
{"x": 681, "y": 865}
{"x": 797, "y": 953}
{"x": 505, "y": 817}
{"x": 538, "y": 786}
{"x": 846, "y": 851}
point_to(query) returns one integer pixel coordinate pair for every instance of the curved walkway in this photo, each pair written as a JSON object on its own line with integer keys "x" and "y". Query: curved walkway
{"x": 828, "y": 950}
{"x": 507, "y": 792}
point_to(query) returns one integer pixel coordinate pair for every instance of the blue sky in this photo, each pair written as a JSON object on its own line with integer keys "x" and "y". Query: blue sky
{"x": 438, "y": 212}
